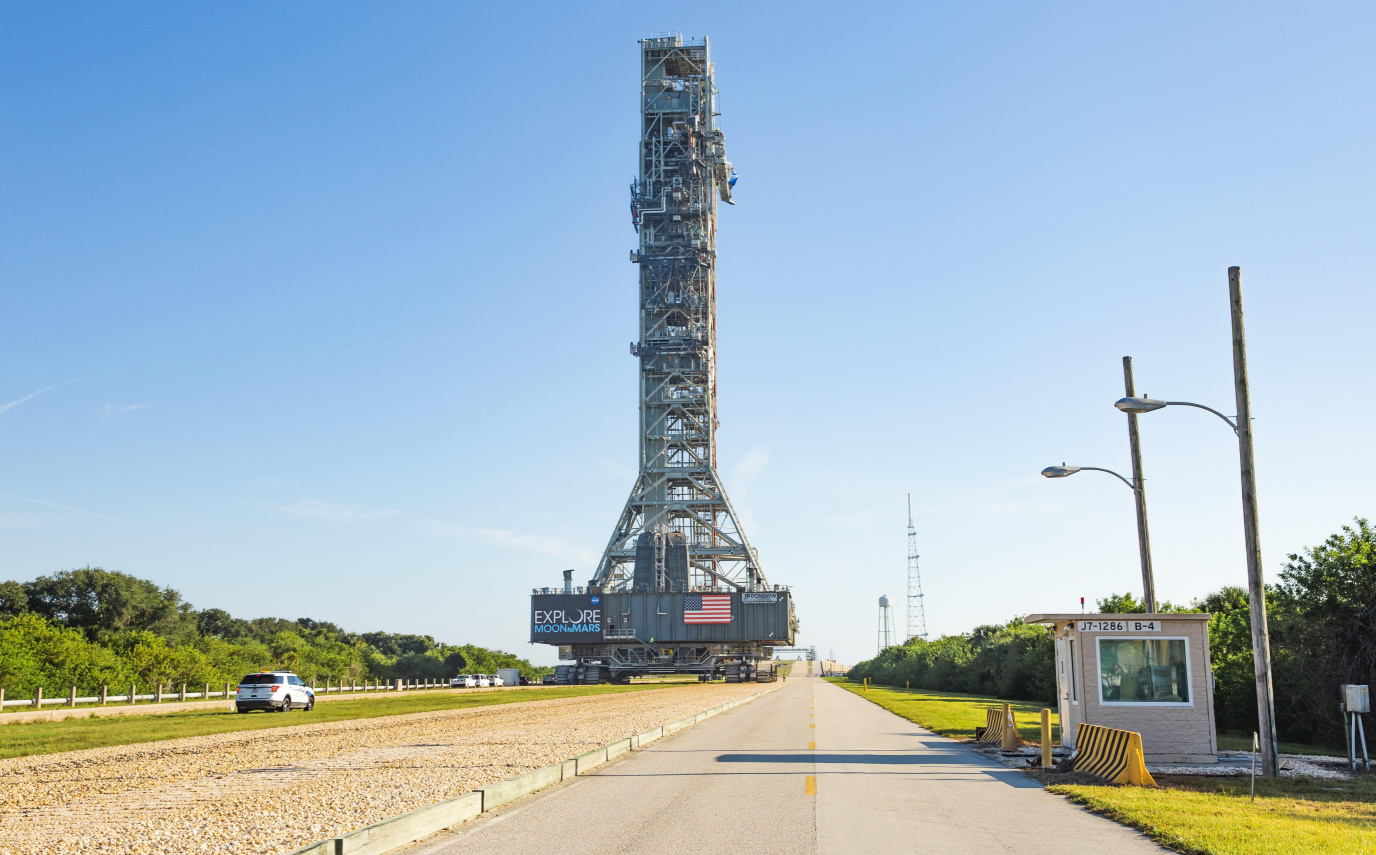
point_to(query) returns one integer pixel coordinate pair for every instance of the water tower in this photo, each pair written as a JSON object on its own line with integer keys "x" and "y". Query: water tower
{"x": 885, "y": 624}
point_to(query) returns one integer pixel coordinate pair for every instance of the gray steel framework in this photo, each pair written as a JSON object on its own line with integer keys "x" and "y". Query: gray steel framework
{"x": 683, "y": 172}
{"x": 917, "y": 611}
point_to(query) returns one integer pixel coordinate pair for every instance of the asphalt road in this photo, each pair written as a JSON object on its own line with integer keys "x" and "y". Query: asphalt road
{"x": 811, "y": 768}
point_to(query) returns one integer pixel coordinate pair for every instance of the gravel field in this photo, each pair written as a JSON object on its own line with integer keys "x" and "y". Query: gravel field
{"x": 273, "y": 791}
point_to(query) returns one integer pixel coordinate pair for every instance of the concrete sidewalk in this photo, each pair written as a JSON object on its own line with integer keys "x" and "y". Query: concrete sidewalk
{"x": 809, "y": 769}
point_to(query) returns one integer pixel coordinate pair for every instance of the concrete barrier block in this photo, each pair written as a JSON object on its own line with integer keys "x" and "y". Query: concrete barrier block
{"x": 400, "y": 830}
{"x": 648, "y": 737}
{"x": 512, "y": 789}
{"x": 616, "y": 749}
{"x": 323, "y": 847}
{"x": 591, "y": 760}
{"x": 568, "y": 769}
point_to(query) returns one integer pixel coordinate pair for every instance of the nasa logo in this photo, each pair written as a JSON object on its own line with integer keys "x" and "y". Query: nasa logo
{"x": 596, "y": 600}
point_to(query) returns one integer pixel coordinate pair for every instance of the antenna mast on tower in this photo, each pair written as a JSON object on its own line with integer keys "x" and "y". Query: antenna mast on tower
{"x": 917, "y": 614}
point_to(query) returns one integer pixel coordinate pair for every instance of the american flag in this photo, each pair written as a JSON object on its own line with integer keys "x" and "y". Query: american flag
{"x": 707, "y": 608}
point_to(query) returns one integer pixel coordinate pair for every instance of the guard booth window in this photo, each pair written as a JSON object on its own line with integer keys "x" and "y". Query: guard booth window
{"x": 1144, "y": 671}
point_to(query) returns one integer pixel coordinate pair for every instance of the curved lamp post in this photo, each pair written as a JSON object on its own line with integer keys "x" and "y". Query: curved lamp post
{"x": 1242, "y": 427}
{"x": 1064, "y": 471}
{"x": 1148, "y": 586}
{"x": 1138, "y": 406}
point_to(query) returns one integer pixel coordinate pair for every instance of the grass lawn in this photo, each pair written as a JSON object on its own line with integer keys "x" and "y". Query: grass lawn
{"x": 952, "y": 714}
{"x": 1292, "y": 816}
{"x": 47, "y": 737}
{"x": 1243, "y": 742}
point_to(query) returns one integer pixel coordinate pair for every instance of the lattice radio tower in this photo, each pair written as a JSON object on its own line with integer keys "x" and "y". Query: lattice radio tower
{"x": 917, "y": 613}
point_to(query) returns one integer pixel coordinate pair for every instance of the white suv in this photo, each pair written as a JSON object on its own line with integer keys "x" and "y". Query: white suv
{"x": 464, "y": 681}
{"x": 273, "y": 690}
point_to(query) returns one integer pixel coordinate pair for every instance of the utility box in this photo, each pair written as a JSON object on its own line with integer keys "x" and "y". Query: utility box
{"x": 1356, "y": 699}
{"x": 1148, "y": 673}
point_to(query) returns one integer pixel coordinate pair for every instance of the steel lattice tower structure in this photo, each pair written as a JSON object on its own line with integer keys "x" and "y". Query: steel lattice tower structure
{"x": 917, "y": 612}
{"x": 678, "y": 498}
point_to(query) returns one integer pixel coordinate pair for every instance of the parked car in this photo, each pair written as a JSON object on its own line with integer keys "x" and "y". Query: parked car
{"x": 549, "y": 680}
{"x": 273, "y": 690}
{"x": 497, "y": 680}
{"x": 464, "y": 681}
{"x": 483, "y": 680}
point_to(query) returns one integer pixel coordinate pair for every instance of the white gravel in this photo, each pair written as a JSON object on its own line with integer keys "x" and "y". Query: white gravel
{"x": 1291, "y": 765}
{"x": 275, "y": 790}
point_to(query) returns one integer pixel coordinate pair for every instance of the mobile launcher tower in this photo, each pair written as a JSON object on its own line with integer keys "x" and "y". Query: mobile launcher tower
{"x": 679, "y": 588}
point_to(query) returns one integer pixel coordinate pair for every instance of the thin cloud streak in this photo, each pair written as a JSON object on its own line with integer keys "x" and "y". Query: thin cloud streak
{"x": 330, "y": 512}
{"x": 46, "y": 503}
{"x": 750, "y": 466}
{"x": 505, "y": 537}
{"x": 29, "y": 397}
{"x": 113, "y": 411}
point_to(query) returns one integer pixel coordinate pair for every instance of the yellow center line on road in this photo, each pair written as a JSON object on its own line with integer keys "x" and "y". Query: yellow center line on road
{"x": 810, "y": 788}
{"x": 812, "y": 746}
{"x": 812, "y": 725}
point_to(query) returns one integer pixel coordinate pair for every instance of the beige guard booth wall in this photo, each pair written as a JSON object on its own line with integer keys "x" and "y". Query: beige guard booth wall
{"x": 1171, "y": 732}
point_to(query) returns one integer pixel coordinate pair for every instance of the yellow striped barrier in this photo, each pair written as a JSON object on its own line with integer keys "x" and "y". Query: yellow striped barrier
{"x": 1114, "y": 755}
{"x": 994, "y": 725}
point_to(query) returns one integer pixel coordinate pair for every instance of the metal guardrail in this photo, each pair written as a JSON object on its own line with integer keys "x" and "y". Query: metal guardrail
{"x": 71, "y": 699}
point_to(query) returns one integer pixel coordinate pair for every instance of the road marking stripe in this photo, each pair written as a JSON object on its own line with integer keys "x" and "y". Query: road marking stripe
{"x": 810, "y": 788}
{"x": 812, "y": 746}
{"x": 812, "y": 725}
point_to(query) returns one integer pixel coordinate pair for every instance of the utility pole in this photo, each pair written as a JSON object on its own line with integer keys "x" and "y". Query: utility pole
{"x": 1256, "y": 588}
{"x": 1139, "y": 489}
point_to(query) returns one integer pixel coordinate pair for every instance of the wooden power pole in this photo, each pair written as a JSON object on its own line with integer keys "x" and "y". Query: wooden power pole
{"x": 1256, "y": 587}
{"x": 1139, "y": 489}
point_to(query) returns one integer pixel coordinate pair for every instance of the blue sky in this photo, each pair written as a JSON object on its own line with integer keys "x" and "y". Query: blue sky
{"x": 323, "y": 310}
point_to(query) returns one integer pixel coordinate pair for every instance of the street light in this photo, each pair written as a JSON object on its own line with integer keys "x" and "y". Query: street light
{"x": 1242, "y": 428}
{"x": 1137, "y": 406}
{"x": 1064, "y": 471}
{"x": 1148, "y": 584}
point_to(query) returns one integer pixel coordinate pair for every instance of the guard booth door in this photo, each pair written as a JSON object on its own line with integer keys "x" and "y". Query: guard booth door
{"x": 1063, "y": 689}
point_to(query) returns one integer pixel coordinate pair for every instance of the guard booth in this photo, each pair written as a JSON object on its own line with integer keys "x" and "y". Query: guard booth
{"x": 1145, "y": 673}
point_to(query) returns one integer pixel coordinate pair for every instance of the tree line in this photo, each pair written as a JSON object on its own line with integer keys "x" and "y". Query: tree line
{"x": 93, "y": 627}
{"x": 1322, "y": 620}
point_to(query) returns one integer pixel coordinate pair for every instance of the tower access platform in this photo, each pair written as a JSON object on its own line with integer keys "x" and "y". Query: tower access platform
{"x": 679, "y": 588}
